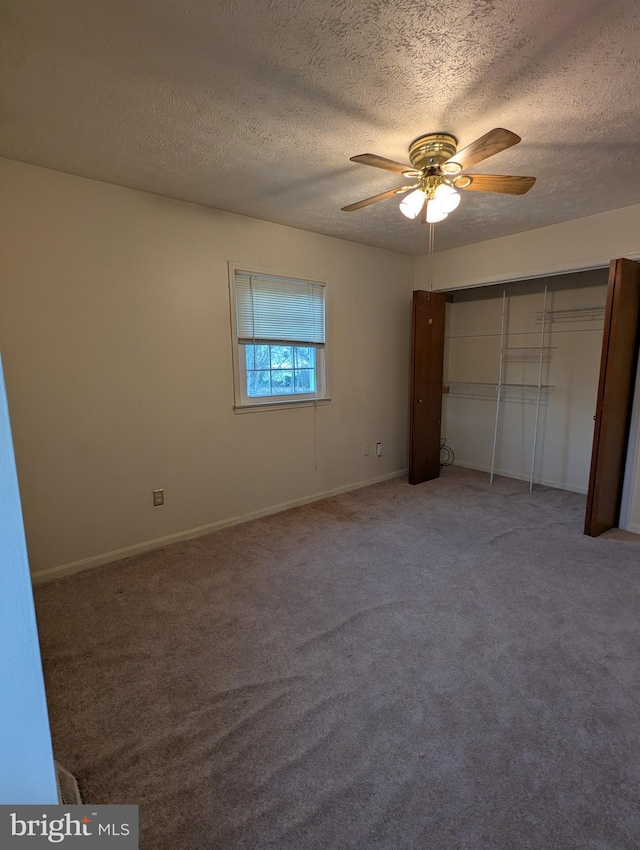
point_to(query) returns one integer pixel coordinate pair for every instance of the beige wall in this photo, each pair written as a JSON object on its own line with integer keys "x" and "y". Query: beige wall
{"x": 115, "y": 332}
{"x": 585, "y": 243}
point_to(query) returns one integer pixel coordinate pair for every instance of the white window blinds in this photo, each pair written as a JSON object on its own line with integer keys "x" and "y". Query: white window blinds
{"x": 276, "y": 309}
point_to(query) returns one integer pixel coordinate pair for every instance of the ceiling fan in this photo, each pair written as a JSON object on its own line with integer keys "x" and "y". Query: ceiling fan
{"x": 440, "y": 170}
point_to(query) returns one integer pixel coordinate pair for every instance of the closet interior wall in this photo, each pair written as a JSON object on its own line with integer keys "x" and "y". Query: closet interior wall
{"x": 483, "y": 354}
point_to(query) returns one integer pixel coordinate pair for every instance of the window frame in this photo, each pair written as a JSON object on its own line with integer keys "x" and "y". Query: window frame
{"x": 243, "y": 403}
{"x": 318, "y": 370}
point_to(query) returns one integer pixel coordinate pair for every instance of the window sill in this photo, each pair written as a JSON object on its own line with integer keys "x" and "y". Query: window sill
{"x": 279, "y": 405}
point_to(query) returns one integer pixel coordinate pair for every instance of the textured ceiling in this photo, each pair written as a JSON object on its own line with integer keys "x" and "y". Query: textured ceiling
{"x": 255, "y": 106}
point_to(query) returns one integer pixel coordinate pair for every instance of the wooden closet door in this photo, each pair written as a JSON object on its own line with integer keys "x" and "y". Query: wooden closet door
{"x": 427, "y": 359}
{"x": 615, "y": 397}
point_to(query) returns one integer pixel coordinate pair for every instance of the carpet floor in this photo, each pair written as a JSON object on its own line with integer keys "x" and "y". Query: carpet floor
{"x": 451, "y": 666}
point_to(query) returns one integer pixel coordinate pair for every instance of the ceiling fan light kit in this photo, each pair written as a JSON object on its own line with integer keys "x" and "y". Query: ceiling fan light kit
{"x": 441, "y": 199}
{"x": 437, "y": 165}
{"x": 447, "y": 197}
{"x": 412, "y": 204}
{"x": 434, "y": 212}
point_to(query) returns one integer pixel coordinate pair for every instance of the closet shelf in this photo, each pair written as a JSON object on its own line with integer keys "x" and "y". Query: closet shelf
{"x": 534, "y": 348}
{"x": 473, "y": 384}
{"x": 526, "y": 353}
{"x": 570, "y": 312}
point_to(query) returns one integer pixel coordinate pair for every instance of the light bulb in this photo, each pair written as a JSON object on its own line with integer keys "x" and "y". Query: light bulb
{"x": 411, "y": 205}
{"x": 435, "y": 212}
{"x": 447, "y": 198}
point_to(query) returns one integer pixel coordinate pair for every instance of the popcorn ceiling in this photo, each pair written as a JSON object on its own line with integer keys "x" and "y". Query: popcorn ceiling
{"x": 256, "y": 107}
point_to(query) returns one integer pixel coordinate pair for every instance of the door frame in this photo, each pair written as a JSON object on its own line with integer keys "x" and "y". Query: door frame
{"x": 614, "y": 402}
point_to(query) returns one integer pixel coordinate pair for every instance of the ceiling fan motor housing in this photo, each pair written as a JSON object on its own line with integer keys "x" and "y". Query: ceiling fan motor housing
{"x": 432, "y": 150}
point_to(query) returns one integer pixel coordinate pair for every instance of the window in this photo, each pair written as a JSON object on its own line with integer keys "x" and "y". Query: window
{"x": 279, "y": 331}
{"x": 280, "y": 370}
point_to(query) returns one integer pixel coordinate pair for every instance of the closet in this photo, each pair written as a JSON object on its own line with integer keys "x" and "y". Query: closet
{"x": 524, "y": 370}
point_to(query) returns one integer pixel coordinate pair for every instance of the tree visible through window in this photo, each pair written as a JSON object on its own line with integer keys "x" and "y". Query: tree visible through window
{"x": 280, "y": 369}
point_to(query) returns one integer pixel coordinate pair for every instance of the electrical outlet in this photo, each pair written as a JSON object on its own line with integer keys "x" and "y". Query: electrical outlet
{"x": 365, "y": 451}
{"x": 379, "y": 449}
{"x": 158, "y": 497}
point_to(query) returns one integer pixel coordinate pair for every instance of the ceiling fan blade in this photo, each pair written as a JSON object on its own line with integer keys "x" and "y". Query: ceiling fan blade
{"x": 503, "y": 183}
{"x": 491, "y": 143}
{"x": 387, "y": 164}
{"x": 375, "y": 198}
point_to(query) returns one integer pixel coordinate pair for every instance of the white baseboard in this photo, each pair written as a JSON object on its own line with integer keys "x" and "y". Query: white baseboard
{"x": 631, "y": 526}
{"x": 158, "y": 543}
{"x": 545, "y": 482}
